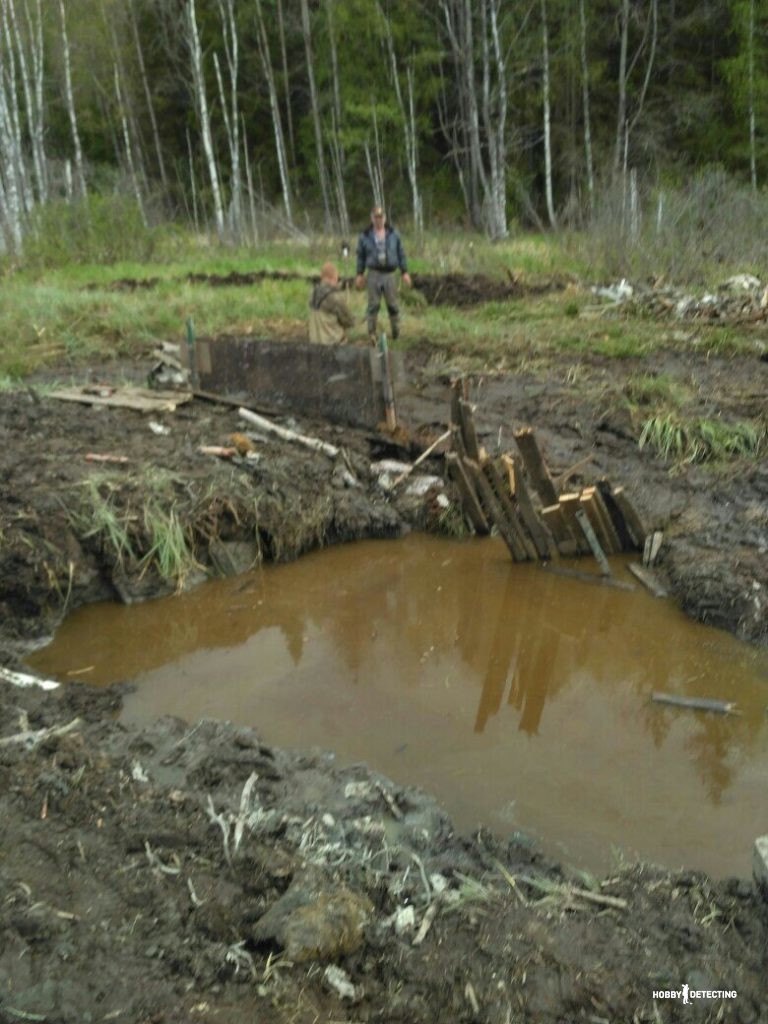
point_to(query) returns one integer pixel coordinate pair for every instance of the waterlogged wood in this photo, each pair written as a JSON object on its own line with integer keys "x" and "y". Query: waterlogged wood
{"x": 468, "y": 432}
{"x": 590, "y": 577}
{"x": 495, "y": 511}
{"x": 652, "y": 547}
{"x": 648, "y": 579}
{"x": 554, "y": 517}
{"x": 606, "y": 521}
{"x": 619, "y": 524}
{"x": 314, "y": 443}
{"x": 220, "y": 451}
{"x": 583, "y": 521}
{"x": 542, "y": 538}
{"x": 569, "y": 503}
{"x": 631, "y": 518}
{"x": 717, "y": 707}
{"x": 536, "y": 467}
{"x": 469, "y": 498}
{"x": 589, "y": 505}
{"x": 99, "y": 457}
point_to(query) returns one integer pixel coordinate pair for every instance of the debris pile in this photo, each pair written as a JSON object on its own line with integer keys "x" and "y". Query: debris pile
{"x": 741, "y": 299}
{"x": 519, "y": 496}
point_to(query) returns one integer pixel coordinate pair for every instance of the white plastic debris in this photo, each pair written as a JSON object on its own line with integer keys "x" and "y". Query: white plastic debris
{"x": 740, "y": 283}
{"x": 138, "y": 773}
{"x": 443, "y": 500}
{"x": 404, "y": 920}
{"x": 158, "y": 428}
{"x": 419, "y": 486}
{"x": 339, "y": 982}
{"x": 620, "y": 292}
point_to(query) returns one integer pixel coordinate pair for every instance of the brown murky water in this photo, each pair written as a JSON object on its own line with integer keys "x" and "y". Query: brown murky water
{"x": 519, "y": 698}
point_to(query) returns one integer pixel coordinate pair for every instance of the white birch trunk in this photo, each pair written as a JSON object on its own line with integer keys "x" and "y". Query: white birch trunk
{"x": 198, "y": 77}
{"x": 38, "y": 158}
{"x": 286, "y": 81}
{"x": 251, "y": 197}
{"x": 193, "y": 184}
{"x": 409, "y": 128}
{"x": 338, "y": 156}
{"x": 12, "y": 203}
{"x": 306, "y": 29}
{"x": 70, "y": 100}
{"x": 751, "y": 95}
{"x": 621, "y": 115}
{"x": 232, "y": 119}
{"x": 127, "y": 144}
{"x": 547, "y": 118}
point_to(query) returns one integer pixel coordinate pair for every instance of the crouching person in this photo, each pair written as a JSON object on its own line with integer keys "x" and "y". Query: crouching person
{"x": 329, "y": 315}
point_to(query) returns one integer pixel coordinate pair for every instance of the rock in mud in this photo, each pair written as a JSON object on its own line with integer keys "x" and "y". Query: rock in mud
{"x": 315, "y": 919}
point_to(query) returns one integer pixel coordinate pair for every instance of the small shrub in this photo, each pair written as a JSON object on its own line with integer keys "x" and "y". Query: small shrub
{"x": 571, "y": 309}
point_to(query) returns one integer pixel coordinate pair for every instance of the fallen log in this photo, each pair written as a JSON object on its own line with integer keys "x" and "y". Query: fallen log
{"x": 314, "y": 443}
{"x": 718, "y": 707}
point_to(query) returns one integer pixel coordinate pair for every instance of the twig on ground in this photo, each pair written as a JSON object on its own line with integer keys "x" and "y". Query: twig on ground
{"x": 30, "y": 740}
{"x": 426, "y": 923}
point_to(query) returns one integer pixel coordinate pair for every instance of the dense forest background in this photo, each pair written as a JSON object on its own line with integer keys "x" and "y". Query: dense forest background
{"x": 254, "y": 117}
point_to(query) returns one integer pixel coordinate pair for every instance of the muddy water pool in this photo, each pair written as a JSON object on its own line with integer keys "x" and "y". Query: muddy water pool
{"x": 521, "y": 699}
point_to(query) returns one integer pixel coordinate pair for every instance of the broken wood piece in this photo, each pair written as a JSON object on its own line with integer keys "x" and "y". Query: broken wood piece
{"x": 314, "y": 443}
{"x": 606, "y": 521}
{"x": 554, "y": 517}
{"x": 23, "y": 679}
{"x": 594, "y": 543}
{"x": 387, "y": 385}
{"x": 139, "y": 399}
{"x": 652, "y": 546}
{"x": 468, "y": 432}
{"x": 619, "y": 523}
{"x": 561, "y": 479}
{"x": 589, "y": 577}
{"x": 390, "y": 802}
{"x": 469, "y": 499}
{"x": 588, "y": 502}
{"x": 601, "y": 900}
{"x": 718, "y": 707}
{"x": 221, "y": 451}
{"x": 542, "y": 538}
{"x": 426, "y": 923}
{"x": 631, "y": 518}
{"x": 536, "y": 467}
{"x": 96, "y": 457}
{"x": 424, "y": 455}
{"x": 509, "y": 505}
{"x": 495, "y": 511}
{"x": 31, "y": 739}
{"x": 648, "y": 579}
{"x": 569, "y": 503}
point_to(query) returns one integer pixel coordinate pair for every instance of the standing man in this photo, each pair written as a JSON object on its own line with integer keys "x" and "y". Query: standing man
{"x": 329, "y": 316}
{"x": 380, "y": 252}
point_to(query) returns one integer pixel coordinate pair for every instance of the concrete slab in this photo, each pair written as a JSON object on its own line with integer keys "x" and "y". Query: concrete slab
{"x": 338, "y": 383}
{"x": 760, "y": 864}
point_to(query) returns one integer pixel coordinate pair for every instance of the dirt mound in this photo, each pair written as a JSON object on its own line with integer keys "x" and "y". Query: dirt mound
{"x": 462, "y": 290}
{"x": 165, "y": 876}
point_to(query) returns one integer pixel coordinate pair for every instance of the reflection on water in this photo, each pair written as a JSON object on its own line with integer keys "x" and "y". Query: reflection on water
{"x": 520, "y": 698}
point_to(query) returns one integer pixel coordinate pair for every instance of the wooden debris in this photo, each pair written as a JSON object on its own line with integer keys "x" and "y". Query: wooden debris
{"x": 426, "y": 923}
{"x": 424, "y": 455}
{"x": 648, "y": 579}
{"x": 619, "y": 523}
{"x": 468, "y": 432}
{"x": 139, "y": 399}
{"x": 536, "y": 467}
{"x": 469, "y": 498}
{"x": 555, "y": 519}
{"x": 569, "y": 503}
{"x": 495, "y": 511}
{"x": 718, "y": 707}
{"x": 593, "y": 542}
{"x": 631, "y": 518}
{"x": 540, "y": 535}
{"x": 562, "y": 478}
{"x": 588, "y": 502}
{"x": 652, "y": 547}
{"x": 588, "y": 577}
{"x": 604, "y": 516}
{"x": 509, "y": 505}
{"x": 387, "y": 385}
{"x": 288, "y": 435}
{"x": 31, "y": 739}
{"x": 96, "y": 457}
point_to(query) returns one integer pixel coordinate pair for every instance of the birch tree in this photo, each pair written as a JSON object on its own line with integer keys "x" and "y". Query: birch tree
{"x": 547, "y": 117}
{"x": 70, "y": 101}
{"x": 338, "y": 155}
{"x": 198, "y": 79}
{"x": 585, "y": 105}
{"x": 33, "y": 112}
{"x": 231, "y": 110}
{"x": 306, "y": 29}
{"x": 277, "y": 123}
{"x": 147, "y": 94}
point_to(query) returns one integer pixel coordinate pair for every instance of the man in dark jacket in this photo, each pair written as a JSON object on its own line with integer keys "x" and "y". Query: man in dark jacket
{"x": 329, "y": 316}
{"x": 380, "y": 252}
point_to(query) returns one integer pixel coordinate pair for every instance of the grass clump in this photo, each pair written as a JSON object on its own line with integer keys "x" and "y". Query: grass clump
{"x": 99, "y": 517}
{"x": 170, "y": 550}
{"x": 652, "y": 389}
{"x": 700, "y": 440}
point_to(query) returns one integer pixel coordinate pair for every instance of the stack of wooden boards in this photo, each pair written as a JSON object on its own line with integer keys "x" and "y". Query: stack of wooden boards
{"x": 521, "y": 499}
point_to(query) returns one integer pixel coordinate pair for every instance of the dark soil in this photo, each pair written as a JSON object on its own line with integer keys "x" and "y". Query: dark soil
{"x": 117, "y": 900}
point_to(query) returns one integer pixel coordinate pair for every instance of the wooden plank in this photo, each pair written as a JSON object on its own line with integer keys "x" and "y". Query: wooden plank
{"x": 469, "y": 499}
{"x": 536, "y": 467}
{"x": 495, "y": 511}
{"x": 468, "y": 432}
{"x": 588, "y": 503}
{"x": 554, "y": 518}
{"x": 648, "y": 579}
{"x": 508, "y": 503}
{"x": 605, "y": 519}
{"x": 619, "y": 523}
{"x": 593, "y": 542}
{"x": 456, "y": 396}
{"x": 569, "y": 503}
{"x": 542, "y": 538}
{"x": 138, "y": 399}
{"x": 652, "y": 546}
{"x": 631, "y": 518}
{"x": 589, "y": 577}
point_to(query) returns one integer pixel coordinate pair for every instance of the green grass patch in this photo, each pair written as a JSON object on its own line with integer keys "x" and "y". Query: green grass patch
{"x": 700, "y": 440}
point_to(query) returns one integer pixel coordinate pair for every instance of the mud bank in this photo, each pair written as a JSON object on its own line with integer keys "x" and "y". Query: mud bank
{"x": 192, "y": 873}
